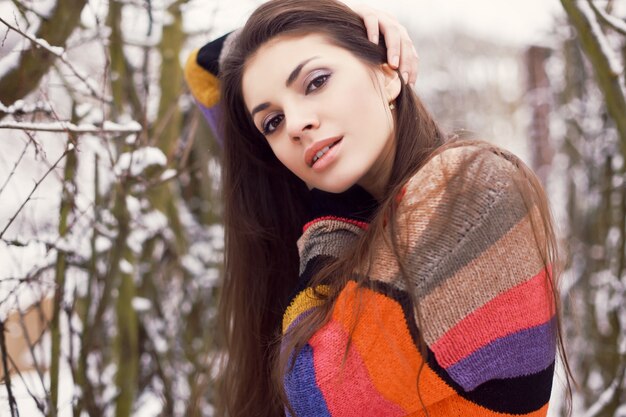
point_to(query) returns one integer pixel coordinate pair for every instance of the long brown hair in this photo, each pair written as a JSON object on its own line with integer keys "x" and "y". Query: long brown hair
{"x": 265, "y": 206}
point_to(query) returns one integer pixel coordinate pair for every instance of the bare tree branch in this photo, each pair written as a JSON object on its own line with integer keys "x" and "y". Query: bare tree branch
{"x": 19, "y": 159}
{"x": 59, "y": 53}
{"x": 63, "y": 126}
{"x": 7, "y": 373}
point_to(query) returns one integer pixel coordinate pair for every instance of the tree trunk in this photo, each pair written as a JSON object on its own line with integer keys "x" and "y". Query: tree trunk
{"x": 34, "y": 62}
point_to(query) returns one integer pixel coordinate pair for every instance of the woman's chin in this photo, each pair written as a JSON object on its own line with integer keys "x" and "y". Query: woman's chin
{"x": 334, "y": 188}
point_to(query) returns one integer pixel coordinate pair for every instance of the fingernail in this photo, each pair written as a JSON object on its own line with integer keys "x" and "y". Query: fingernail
{"x": 395, "y": 60}
{"x": 405, "y": 75}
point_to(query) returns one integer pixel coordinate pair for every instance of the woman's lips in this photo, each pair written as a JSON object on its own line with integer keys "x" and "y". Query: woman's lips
{"x": 315, "y": 147}
{"x": 328, "y": 157}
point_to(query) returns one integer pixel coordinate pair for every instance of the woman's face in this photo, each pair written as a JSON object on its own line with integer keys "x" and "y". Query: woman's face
{"x": 324, "y": 113}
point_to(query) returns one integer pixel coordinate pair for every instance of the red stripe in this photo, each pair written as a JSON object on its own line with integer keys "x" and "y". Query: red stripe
{"x": 522, "y": 307}
{"x": 362, "y": 225}
{"x": 348, "y": 391}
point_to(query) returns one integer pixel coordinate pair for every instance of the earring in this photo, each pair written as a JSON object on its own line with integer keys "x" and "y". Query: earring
{"x": 392, "y": 106}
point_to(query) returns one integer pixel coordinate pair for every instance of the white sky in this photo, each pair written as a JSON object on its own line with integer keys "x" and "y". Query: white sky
{"x": 512, "y": 21}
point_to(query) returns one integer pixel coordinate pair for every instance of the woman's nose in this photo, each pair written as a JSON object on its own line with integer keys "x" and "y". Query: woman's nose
{"x": 301, "y": 123}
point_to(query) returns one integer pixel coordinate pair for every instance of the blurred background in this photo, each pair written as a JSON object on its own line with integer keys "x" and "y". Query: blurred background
{"x": 110, "y": 217}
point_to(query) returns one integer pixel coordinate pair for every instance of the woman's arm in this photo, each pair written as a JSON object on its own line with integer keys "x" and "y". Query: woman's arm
{"x": 474, "y": 253}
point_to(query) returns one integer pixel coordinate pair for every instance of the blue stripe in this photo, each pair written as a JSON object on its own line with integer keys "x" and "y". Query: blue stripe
{"x": 301, "y": 388}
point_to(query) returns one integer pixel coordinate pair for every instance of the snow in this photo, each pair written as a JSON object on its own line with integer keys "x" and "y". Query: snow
{"x": 141, "y": 304}
{"x": 168, "y": 174}
{"x": 618, "y": 24}
{"x": 56, "y": 50}
{"x": 126, "y": 267}
{"x": 144, "y": 227}
{"x": 11, "y": 61}
{"x": 138, "y": 161}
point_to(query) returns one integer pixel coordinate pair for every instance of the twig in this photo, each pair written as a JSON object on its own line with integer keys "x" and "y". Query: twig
{"x": 22, "y": 8}
{"x": 14, "y": 168}
{"x": 31, "y": 344}
{"x": 60, "y": 54}
{"x": 12, "y": 219}
{"x": 37, "y": 401}
{"x": 67, "y": 127}
{"x": 7, "y": 374}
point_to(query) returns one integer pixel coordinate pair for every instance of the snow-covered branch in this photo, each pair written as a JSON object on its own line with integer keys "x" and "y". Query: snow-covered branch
{"x": 62, "y": 126}
{"x": 609, "y": 394}
{"x": 615, "y": 23}
{"x": 607, "y": 68}
{"x": 596, "y": 31}
{"x": 21, "y": 107}
{"x": 59, "y": 52}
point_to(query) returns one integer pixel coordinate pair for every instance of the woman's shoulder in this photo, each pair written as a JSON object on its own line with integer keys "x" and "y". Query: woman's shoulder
{"x": 465, "y": 169}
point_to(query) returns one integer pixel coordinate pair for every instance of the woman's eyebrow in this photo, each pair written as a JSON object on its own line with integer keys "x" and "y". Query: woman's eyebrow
{"x": 294, "y": 74}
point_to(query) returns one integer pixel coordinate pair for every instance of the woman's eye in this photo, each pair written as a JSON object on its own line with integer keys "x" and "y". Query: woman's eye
{"x": 272, "y": 124}
{"x": 317, "y": 82}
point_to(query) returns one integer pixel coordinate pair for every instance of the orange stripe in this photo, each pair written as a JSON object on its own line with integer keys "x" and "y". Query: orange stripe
{"x": 522, "y": 307}
{"x": 382, "y": 332}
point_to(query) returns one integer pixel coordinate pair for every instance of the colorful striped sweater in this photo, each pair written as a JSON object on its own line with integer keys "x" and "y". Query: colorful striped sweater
{"x": 476, "y": 271}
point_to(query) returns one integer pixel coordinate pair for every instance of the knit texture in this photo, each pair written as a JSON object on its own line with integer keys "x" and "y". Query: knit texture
{"x": 474, "y": 265}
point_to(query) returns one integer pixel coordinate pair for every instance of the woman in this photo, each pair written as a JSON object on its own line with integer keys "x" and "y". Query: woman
{"x": 372, "y": 267}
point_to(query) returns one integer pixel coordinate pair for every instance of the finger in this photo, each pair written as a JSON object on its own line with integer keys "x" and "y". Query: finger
{"x": 408, "y": 62}
{"x": 394, "y": 46}
{"x": 371, "y": 26}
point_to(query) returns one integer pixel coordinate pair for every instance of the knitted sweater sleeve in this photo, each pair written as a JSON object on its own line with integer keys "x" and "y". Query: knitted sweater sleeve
{"x": 201, "y": 75}
{"x": 472, "y": 258}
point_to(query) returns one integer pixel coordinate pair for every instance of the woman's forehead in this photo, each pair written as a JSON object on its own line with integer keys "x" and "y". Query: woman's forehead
{"x": 272, "y": 64}
{"x": 287, "y": 48}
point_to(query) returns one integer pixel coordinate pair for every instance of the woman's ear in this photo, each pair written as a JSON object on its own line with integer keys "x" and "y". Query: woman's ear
{"x": 392, "y": 82}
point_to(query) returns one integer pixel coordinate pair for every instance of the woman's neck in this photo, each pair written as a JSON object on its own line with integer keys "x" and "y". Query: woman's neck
{"x": 376, "y": 179}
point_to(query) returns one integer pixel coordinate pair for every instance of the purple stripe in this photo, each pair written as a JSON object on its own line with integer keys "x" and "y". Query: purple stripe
{"x": 522, "y": 353}
{"x": 299, "y": 318}
{"x": 212, "y": 116}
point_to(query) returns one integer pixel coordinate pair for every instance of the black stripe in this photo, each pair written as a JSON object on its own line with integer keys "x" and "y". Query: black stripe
{"x": 209, "y": 55}
{"x": 314, "y": 265}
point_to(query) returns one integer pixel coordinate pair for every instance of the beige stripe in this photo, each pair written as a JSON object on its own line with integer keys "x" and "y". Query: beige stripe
{"x": 512, "y": 260}
{"x": 326, "y": 237}
{"x": 432, "y": 222}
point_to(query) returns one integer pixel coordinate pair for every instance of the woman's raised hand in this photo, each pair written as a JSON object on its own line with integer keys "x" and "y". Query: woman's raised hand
{"x": 401, "y": 53}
